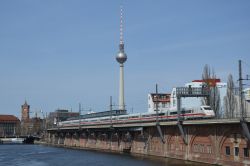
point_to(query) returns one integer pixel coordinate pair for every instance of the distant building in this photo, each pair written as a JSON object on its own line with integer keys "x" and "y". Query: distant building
{"x": 30, "y": 126}
{"x": 246, "y": 102}
{"x": 9, "y": 126}
{"x": 197, "y": 101}
{"x": 190, "y": 102}
{"x": 169, "y": 101}
{"x": 247, "y": 94}
{"x": 60, "y": 115}
{"x": 25, "y": 112}
{"x": 162, "y": 99}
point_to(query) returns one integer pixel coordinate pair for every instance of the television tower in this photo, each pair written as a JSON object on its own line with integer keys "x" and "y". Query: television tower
{"x": 121, "y": 58}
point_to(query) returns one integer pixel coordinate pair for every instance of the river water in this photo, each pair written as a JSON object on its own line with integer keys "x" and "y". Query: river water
{"x": 38, "y": 155}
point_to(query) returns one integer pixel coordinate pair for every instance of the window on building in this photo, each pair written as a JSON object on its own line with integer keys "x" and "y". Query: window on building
{"x": 227, "y": 150}
{"x": 209, "y": 149}
{"x": 195, "y": 148}
{"x": 202, "y": 148}
{"x": 236, "y": 151}
{"x": 246, "y": 152}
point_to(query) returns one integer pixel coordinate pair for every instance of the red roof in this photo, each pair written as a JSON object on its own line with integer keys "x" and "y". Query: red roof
{"x": 211, "y": 82}
{"x": 8, "y": 118}
{"x": 208, "y": 80}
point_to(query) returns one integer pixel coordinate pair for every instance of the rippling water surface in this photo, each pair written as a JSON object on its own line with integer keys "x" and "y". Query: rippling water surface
{"x": 38, "y": 155}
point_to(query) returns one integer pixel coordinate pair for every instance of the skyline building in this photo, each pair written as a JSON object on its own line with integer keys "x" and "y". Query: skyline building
{"x": 121, "y": 59}
{"x": 25, "y": 111}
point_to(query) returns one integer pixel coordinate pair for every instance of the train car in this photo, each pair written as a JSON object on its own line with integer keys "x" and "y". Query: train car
{"x": 202, "y": 112}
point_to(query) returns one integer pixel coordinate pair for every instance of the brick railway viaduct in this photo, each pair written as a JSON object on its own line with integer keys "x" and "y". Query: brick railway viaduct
{"x": 213, "y": 141}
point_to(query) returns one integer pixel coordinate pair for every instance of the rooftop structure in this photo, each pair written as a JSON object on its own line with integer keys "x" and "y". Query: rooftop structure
{"x": 8, "y": 118}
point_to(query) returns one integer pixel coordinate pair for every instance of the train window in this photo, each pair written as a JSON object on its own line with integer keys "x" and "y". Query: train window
{"x": 123, "y": 118}
{"x": 207, "y": 108}
{"x": 173, "y": 113}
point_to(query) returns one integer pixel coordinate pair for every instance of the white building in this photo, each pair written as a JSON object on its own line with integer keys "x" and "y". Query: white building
{"x": 163, "y": 101}
{"x": 169, "y": 101}
{"x": 221, "y": 86}
{"x": 247, "y": 94}
{"x": 246, "y": 102}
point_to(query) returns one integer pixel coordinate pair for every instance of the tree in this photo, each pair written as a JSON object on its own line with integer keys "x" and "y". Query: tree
{"x": 209, "y": 79}
{"x": 215, "y": 100}
{"x": 230, "y": 101}
{"x": 205, "y": 77}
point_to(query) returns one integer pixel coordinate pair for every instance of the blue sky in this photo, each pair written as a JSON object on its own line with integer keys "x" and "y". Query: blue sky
{"x": 58, "y": 53}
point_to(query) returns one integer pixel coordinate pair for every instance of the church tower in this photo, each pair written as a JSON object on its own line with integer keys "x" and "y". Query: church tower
{"x": 25, "y": 111}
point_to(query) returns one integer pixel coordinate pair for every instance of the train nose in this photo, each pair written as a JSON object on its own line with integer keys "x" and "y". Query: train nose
{"x": 212, "y": 113}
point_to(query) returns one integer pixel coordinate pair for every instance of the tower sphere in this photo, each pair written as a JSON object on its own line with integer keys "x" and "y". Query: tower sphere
{"x": 121, "y": 57}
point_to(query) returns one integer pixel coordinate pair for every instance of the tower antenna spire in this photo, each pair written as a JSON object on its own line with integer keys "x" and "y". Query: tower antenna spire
{"x": 121, "y": 25}
{"x": 121, "y": 45}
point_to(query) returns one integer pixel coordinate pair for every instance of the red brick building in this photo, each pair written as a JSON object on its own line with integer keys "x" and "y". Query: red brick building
{"x": 30, "y": 126}
{"x": 9, "y": 126}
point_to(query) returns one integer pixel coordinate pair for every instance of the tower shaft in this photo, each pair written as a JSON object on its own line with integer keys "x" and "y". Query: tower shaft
{"x": 121, "y": 88}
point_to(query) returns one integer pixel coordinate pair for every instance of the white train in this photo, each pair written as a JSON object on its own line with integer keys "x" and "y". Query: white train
{"x": 202, "y": 112}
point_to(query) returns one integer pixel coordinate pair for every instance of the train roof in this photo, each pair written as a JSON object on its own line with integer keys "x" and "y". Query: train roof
{"x": 101, "y": 114}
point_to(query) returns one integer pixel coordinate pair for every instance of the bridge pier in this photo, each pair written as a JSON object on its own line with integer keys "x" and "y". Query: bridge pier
{"x": 68, "y": 139}
{"x": 83, "y": 139}
{"x": 61, "y": 139}
{"x": 55, "y": 138}
{"x": 91, "y": 142}
{"x": 115, "y": 141}
{"x": 76, "y": 139}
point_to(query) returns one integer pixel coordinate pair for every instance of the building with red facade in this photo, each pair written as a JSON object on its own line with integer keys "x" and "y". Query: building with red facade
{"x": 9, "y": 126}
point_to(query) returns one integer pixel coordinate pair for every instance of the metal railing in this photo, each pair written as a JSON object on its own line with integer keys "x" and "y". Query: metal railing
{"x": 189, "y": 91}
